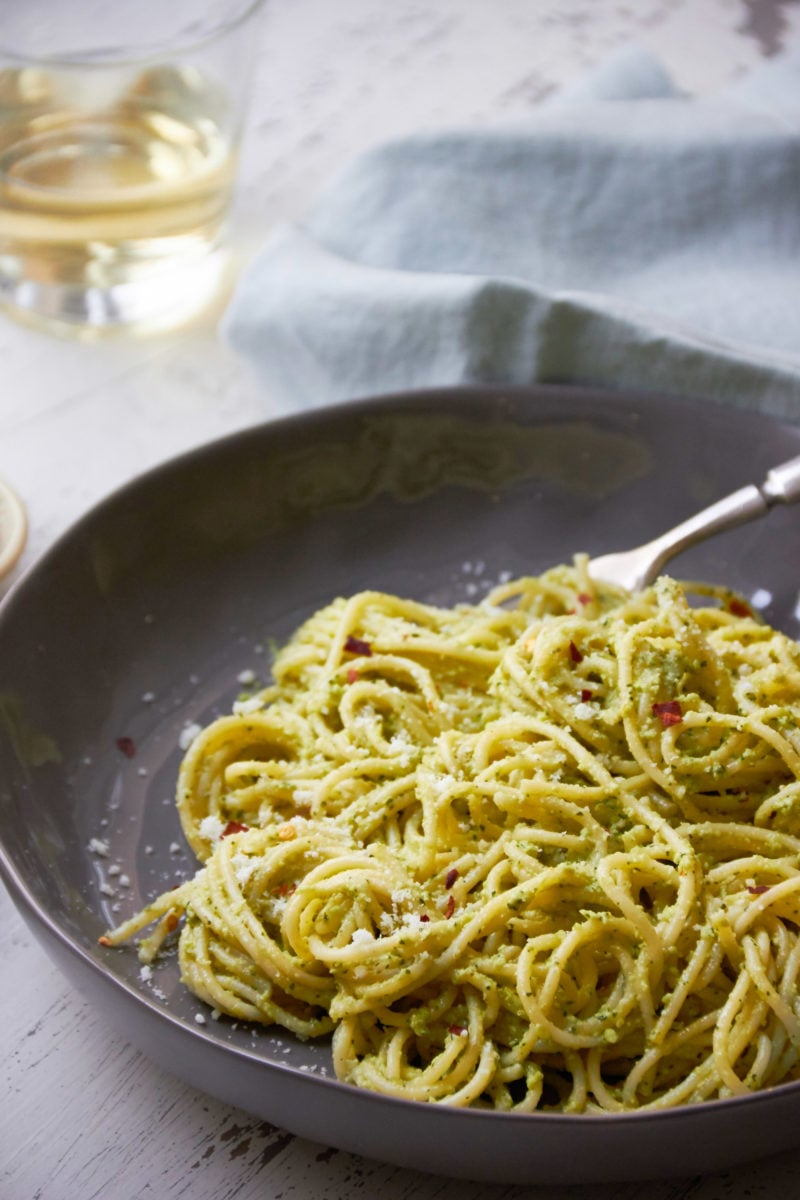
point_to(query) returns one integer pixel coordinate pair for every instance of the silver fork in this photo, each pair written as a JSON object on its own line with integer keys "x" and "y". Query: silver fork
{"x": 635, "y": 569}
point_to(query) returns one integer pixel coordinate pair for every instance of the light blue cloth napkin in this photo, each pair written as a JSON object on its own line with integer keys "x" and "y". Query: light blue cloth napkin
{"x": 624, "y": 235}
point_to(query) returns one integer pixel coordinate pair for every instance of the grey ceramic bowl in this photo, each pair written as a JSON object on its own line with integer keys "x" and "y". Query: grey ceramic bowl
{"x": 141, "y": 617}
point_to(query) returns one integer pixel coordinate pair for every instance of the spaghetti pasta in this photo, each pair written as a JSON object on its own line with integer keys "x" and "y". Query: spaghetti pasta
{"x": 537, "y": 853}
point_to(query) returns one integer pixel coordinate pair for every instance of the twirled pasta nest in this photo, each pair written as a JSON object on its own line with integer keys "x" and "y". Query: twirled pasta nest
{"x": 538, "y": 853}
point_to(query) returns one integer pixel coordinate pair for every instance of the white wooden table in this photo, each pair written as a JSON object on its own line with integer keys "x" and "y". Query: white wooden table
{"x": 84, "y": 1116}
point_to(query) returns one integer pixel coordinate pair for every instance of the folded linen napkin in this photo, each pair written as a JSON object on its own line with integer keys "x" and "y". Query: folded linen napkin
{"x": 624, "y": 235}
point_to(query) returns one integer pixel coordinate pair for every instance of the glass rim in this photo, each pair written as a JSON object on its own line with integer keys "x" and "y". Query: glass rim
{"x": 117, "y": 56}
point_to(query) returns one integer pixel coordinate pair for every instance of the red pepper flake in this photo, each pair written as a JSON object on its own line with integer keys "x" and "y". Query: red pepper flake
{"x": 171, "y": 922}
{"x": 738, "y": 608}
{"x": 450, "y": 878}
{"x": 458, "y": 1030}
{"x": 355, "y": 645}
{"x": 126, "y": 746}
{"x": 424, "y": 917}
{"x": 584, "y": 598}
{"x": 669, "y": 712}
{"x": 575, "y": 653}
{"x": 450, "y": 907}
{"x": 353, "y": 675}
{"x": 234, "y": 827}
{"x": 586, "y": 694}
{"x": 104, "y": 941}
{"x": 758, "y": 889}
{"x": 285, "y": 889}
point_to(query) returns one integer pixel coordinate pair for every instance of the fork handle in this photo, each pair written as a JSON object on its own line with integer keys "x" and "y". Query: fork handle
{"x": 637, "y": 568}
{"x": 782, "y": 484}
{"x": 736, "y": 509}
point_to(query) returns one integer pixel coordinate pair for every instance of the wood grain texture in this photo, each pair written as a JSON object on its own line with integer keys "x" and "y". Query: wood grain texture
{"x": 86, "y": 1117}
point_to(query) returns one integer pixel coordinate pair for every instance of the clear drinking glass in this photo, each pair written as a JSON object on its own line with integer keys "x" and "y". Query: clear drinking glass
{"x": 119, "y": 127}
